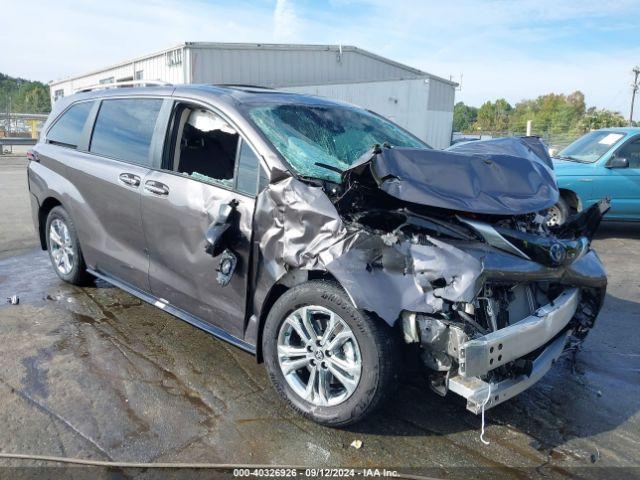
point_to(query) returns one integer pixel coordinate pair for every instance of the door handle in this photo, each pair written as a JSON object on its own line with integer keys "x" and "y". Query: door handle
{"x": 129, "y": 179}
{"x": 157, "y": 188}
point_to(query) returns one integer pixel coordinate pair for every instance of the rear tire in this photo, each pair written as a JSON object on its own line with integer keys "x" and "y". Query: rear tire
{"x": 558, "y": 214}
{"x": 370, "y": 354}
{"x": 64, "y": 248}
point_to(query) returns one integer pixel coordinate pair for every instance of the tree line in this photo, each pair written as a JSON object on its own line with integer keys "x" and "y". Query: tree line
{"x": 23, "y": 96}
{"x": 551, "y": 113}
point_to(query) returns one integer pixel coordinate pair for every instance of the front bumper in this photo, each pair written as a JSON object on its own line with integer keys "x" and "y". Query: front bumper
{"x": 476, "y": 390}
{"x": 546, "y": 326}
{"x": 481, "y": 355}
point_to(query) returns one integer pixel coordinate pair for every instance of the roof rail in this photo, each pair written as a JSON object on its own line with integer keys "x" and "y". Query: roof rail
{"x": 127, "y": 83}
{"x": 241, "y": 85}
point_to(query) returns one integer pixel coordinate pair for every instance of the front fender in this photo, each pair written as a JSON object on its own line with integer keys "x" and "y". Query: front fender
{"x": 580, "y": 186}
{"x": 406, "y": 276}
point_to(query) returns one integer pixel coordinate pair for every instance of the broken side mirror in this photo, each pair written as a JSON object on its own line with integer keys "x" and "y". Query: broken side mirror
{"x": 618, "y": 162}
{"x": 215, "y": 235}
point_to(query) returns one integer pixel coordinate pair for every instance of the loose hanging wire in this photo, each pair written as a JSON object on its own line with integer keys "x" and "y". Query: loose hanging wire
{"x": 482, "y": 427}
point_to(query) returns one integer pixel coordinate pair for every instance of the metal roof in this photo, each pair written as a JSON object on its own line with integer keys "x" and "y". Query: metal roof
{"x": 263, "y": 46}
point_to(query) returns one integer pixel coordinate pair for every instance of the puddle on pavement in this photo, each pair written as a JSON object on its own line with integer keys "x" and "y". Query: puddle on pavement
{"x": 35, "y": 380}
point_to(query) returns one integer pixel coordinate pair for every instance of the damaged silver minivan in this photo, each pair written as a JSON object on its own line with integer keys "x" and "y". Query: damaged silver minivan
{"x": 320, "y": 237}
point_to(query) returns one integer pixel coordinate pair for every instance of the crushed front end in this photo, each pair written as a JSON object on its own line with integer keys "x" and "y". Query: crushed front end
{"x": 452, "y": 249}
{"x": 524, "y": 315}
{"x": 492, "y": 299}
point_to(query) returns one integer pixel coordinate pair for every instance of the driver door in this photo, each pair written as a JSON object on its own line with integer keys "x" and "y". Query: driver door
{"x": 208, "y": 171}
{"x": 622, "y": 184}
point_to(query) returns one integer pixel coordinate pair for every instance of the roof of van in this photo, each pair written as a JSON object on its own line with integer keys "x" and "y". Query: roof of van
{"x": 232, "y": 94}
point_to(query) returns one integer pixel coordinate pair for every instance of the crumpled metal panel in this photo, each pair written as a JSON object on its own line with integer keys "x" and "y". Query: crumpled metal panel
{"x": 459, "y": 270}
{"x": 441, "y": 342}
{"x": 586, "y": 222}
{"x": 531, "y": 148}
{"x": 487, "y": 183}
{"x": 388, "y": 279}
{"x": 298, "y": 226}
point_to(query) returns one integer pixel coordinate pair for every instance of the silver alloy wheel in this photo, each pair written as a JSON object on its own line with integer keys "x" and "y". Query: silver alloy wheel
{"x": 61, "y": 246}
{"x": 319, "y": 356}
{"x": 554, "y": 216}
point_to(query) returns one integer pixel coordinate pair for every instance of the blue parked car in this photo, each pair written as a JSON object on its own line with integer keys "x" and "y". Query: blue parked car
{"x": 602, "y": 163}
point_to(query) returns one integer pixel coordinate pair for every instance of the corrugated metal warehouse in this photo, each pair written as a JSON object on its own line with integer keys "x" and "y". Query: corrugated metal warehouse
{"x": 420, "y": 102}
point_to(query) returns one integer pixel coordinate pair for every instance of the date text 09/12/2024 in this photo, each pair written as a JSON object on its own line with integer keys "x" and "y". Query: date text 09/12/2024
{"x": 314, "y": 472}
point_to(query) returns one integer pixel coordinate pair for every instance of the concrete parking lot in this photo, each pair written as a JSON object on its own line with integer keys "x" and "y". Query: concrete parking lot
{"x": 95, "y": 373}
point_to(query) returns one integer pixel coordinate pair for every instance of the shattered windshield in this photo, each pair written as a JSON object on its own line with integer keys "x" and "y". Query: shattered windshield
{"x": 320, "y": 141}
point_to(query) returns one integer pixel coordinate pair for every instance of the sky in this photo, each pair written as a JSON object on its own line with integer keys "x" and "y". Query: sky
{"x": 494, "y": 48}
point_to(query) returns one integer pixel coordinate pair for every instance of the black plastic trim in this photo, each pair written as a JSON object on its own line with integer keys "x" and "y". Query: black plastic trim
{"x": 181, "y": 314}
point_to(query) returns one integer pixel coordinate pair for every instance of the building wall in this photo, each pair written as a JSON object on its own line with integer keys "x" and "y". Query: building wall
{"x": 402, "y": 101}
{"x": 439, "y": 115}
{"x": 405, "y": 102}
{"x": 419, "y": 102}
{"x": 283, "y": 66}
{"x": 156, "y": 67}
{"x": 440, "y": 128}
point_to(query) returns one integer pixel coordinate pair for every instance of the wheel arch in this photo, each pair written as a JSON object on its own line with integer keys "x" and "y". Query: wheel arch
{"x": 43, "y": 212}
{"x": 572, "y": 198}
{"x": 288, "y": 281}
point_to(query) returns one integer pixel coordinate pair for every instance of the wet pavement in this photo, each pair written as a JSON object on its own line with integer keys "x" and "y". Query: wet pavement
{"x": 93, "y": 372}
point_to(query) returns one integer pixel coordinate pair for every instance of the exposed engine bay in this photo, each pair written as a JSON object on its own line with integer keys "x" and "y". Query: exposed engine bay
{"x": 454, "y": 249}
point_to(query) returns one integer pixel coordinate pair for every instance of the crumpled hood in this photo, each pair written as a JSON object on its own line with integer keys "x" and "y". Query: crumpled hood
{"x": 505, "y": 177}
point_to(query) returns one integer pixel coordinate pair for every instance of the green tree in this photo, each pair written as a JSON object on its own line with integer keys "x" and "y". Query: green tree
{"x": 23, "y": 96}
{"x": 550, "y": 113}
{"x": 464, "y": 117}
{"x": 601, "y": 118}
{"x": 494, "y": 116}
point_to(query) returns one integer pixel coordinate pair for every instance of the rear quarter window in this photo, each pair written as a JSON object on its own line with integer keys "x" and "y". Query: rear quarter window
{"x": 67, "y": 130}
{"x": 124, "y": 129}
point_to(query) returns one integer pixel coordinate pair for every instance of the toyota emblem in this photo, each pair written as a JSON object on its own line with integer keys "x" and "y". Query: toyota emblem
{"x": 557, "y": 253}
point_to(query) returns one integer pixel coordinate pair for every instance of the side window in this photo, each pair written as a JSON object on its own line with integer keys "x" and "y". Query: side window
{"x": 631, "y": 151}
{"x": 124, "y": 128}
{"x": 263, "y": 179}
{"x": 67, "y": 129}
{"x": 206, "y": 146}
{"x": 248, "y": 165}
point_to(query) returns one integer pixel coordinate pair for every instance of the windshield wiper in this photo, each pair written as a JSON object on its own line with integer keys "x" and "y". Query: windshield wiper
{"x": 328, "y": 167}
{"x": 570, "y": 158}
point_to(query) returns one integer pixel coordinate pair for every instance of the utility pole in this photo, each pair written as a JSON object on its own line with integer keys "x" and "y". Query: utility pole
{"x": 634, "y": 89}
{"x": 9, "y": 118}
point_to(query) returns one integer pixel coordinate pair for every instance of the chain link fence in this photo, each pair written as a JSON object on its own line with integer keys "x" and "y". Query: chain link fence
{"x": 23, "y": 125}
{"x": 19, "y": 130}
{"x": 556, "y": 141}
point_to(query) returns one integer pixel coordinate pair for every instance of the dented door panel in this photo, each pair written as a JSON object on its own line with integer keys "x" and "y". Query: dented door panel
{"x": 180, "y": 269}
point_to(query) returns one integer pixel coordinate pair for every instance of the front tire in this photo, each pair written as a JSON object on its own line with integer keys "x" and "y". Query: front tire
{"x": 330, "y": 361}
{"x": 558, "y": 214}
{"x": 64, "y": 248}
